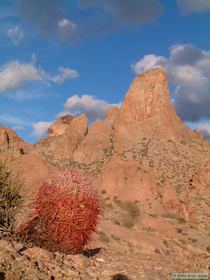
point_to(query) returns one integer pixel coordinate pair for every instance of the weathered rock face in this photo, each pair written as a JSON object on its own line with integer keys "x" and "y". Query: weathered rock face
{"x": 66, "y": 136}
{"x": 112, "y": 113}
{"x": 147, "y": 111}
{"x": 172, "y": 205}
{"x": 95, "y": 144}
{"x": 124, "y": 179}
{"x": 4, "y": 140}
{"x": 76, "y": 131}
{"x": 60, "y": 126}
{"x": 10, "y": 140}
{"x": 34, "y": 170}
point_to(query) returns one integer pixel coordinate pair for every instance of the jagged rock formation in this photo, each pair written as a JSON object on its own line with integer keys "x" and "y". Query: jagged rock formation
{"x": 9, "y": 140}
{"x": 65, "y": 135}
{"x": 148, "y": 112}
{"x": 60, "y": 126}
{"x": 143, "y": 155}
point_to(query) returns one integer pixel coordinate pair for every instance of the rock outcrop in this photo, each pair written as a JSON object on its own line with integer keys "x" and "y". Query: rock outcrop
{"x": 153, "y": 177}
{"x": 65, "y": 135}
{"x": 4, "y": 139}
{"x": 60, "y": 126}
{"x": 95, "y": 144}
{"x": 9, "y": 140}
{"x": 125, "y": 180}
{"x": 148, "y": 112}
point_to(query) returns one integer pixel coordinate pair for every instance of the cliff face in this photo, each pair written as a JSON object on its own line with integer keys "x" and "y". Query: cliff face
{"x": 128, "y": 147}
{"x": 10, "y": 140}
{"x": 148, "y": 112}
{"x": 141, "y": 156}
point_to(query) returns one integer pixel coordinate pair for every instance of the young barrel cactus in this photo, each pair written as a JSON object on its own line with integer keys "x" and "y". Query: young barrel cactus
{"x": 66, "y": 213}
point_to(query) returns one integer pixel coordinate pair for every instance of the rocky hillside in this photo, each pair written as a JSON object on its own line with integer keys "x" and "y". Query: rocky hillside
{"x": 153, "y": 174}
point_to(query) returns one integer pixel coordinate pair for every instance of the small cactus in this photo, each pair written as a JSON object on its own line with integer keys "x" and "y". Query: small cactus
{"x": 66, "y": 214}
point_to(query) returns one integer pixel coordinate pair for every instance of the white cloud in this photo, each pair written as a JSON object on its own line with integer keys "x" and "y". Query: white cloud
{"x": 67, "y": 30}
{"x": 40, "y": 129}
{"x": 15, "y": 34}
{"x": 66, "y": 24}
{"x": 188, "y": 69}
{"x": 194, "y": 6}
{"x": 64, "y": 74}
{"x": 148, "y": 62}
{"x": 92, "y": 107}
{"x": 14, "y": 74}
{"x": 205, "y": 129}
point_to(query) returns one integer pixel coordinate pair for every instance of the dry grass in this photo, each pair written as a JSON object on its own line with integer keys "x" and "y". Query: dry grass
{"x": 10, "y": 199}
{"x": 103, "y": 237}
{"x": 127, "y": 214}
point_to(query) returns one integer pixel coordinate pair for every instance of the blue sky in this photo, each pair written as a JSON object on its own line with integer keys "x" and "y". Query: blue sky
{"x": 61, "y": 56}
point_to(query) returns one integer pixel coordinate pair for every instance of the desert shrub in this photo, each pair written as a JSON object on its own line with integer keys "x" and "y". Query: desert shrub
{"x": 10, "y": 199}
{"x": 127, "y": 213}
{"x": 65, "y": 214}
{"x": 103, "y": 237}
{"x": 131, "y": 213}
{"x": 208, "y": 249}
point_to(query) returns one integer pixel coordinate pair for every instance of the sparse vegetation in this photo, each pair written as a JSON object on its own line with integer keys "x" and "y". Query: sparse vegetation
{"x": 103, "y": 237}
{"x": 130, "y": 213}
{"x": 10, "y": 199}
{"x": 208, "y": 249}
{"x": 171, "y": 215}
{"x": 157, "y": 251}
{"x": 181, "y": 220}
{"x": 116, "y": 238}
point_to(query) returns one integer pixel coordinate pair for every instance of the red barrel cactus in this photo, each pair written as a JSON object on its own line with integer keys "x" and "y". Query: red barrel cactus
{"x": 65, "y": 213}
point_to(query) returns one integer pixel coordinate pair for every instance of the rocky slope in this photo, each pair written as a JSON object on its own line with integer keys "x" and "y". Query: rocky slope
{"x": 153, "y": 175}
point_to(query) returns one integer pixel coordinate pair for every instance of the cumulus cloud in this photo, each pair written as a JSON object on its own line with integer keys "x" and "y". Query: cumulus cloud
{"x": 188, "y": 69}
{"x": 14, "y": 74}
{"x": 40, "y": 129}
{"x": 194, "y": 6}
{"x": 15, "y": 34}
{"x": 205, "y": 129}
{"x": 67, "y": 30}
{"x": 92, "y": 107}
{"x": 64, "y": 74}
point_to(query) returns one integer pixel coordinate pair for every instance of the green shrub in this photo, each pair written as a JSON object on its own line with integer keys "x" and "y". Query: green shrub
{"x": 10, "y": 199}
